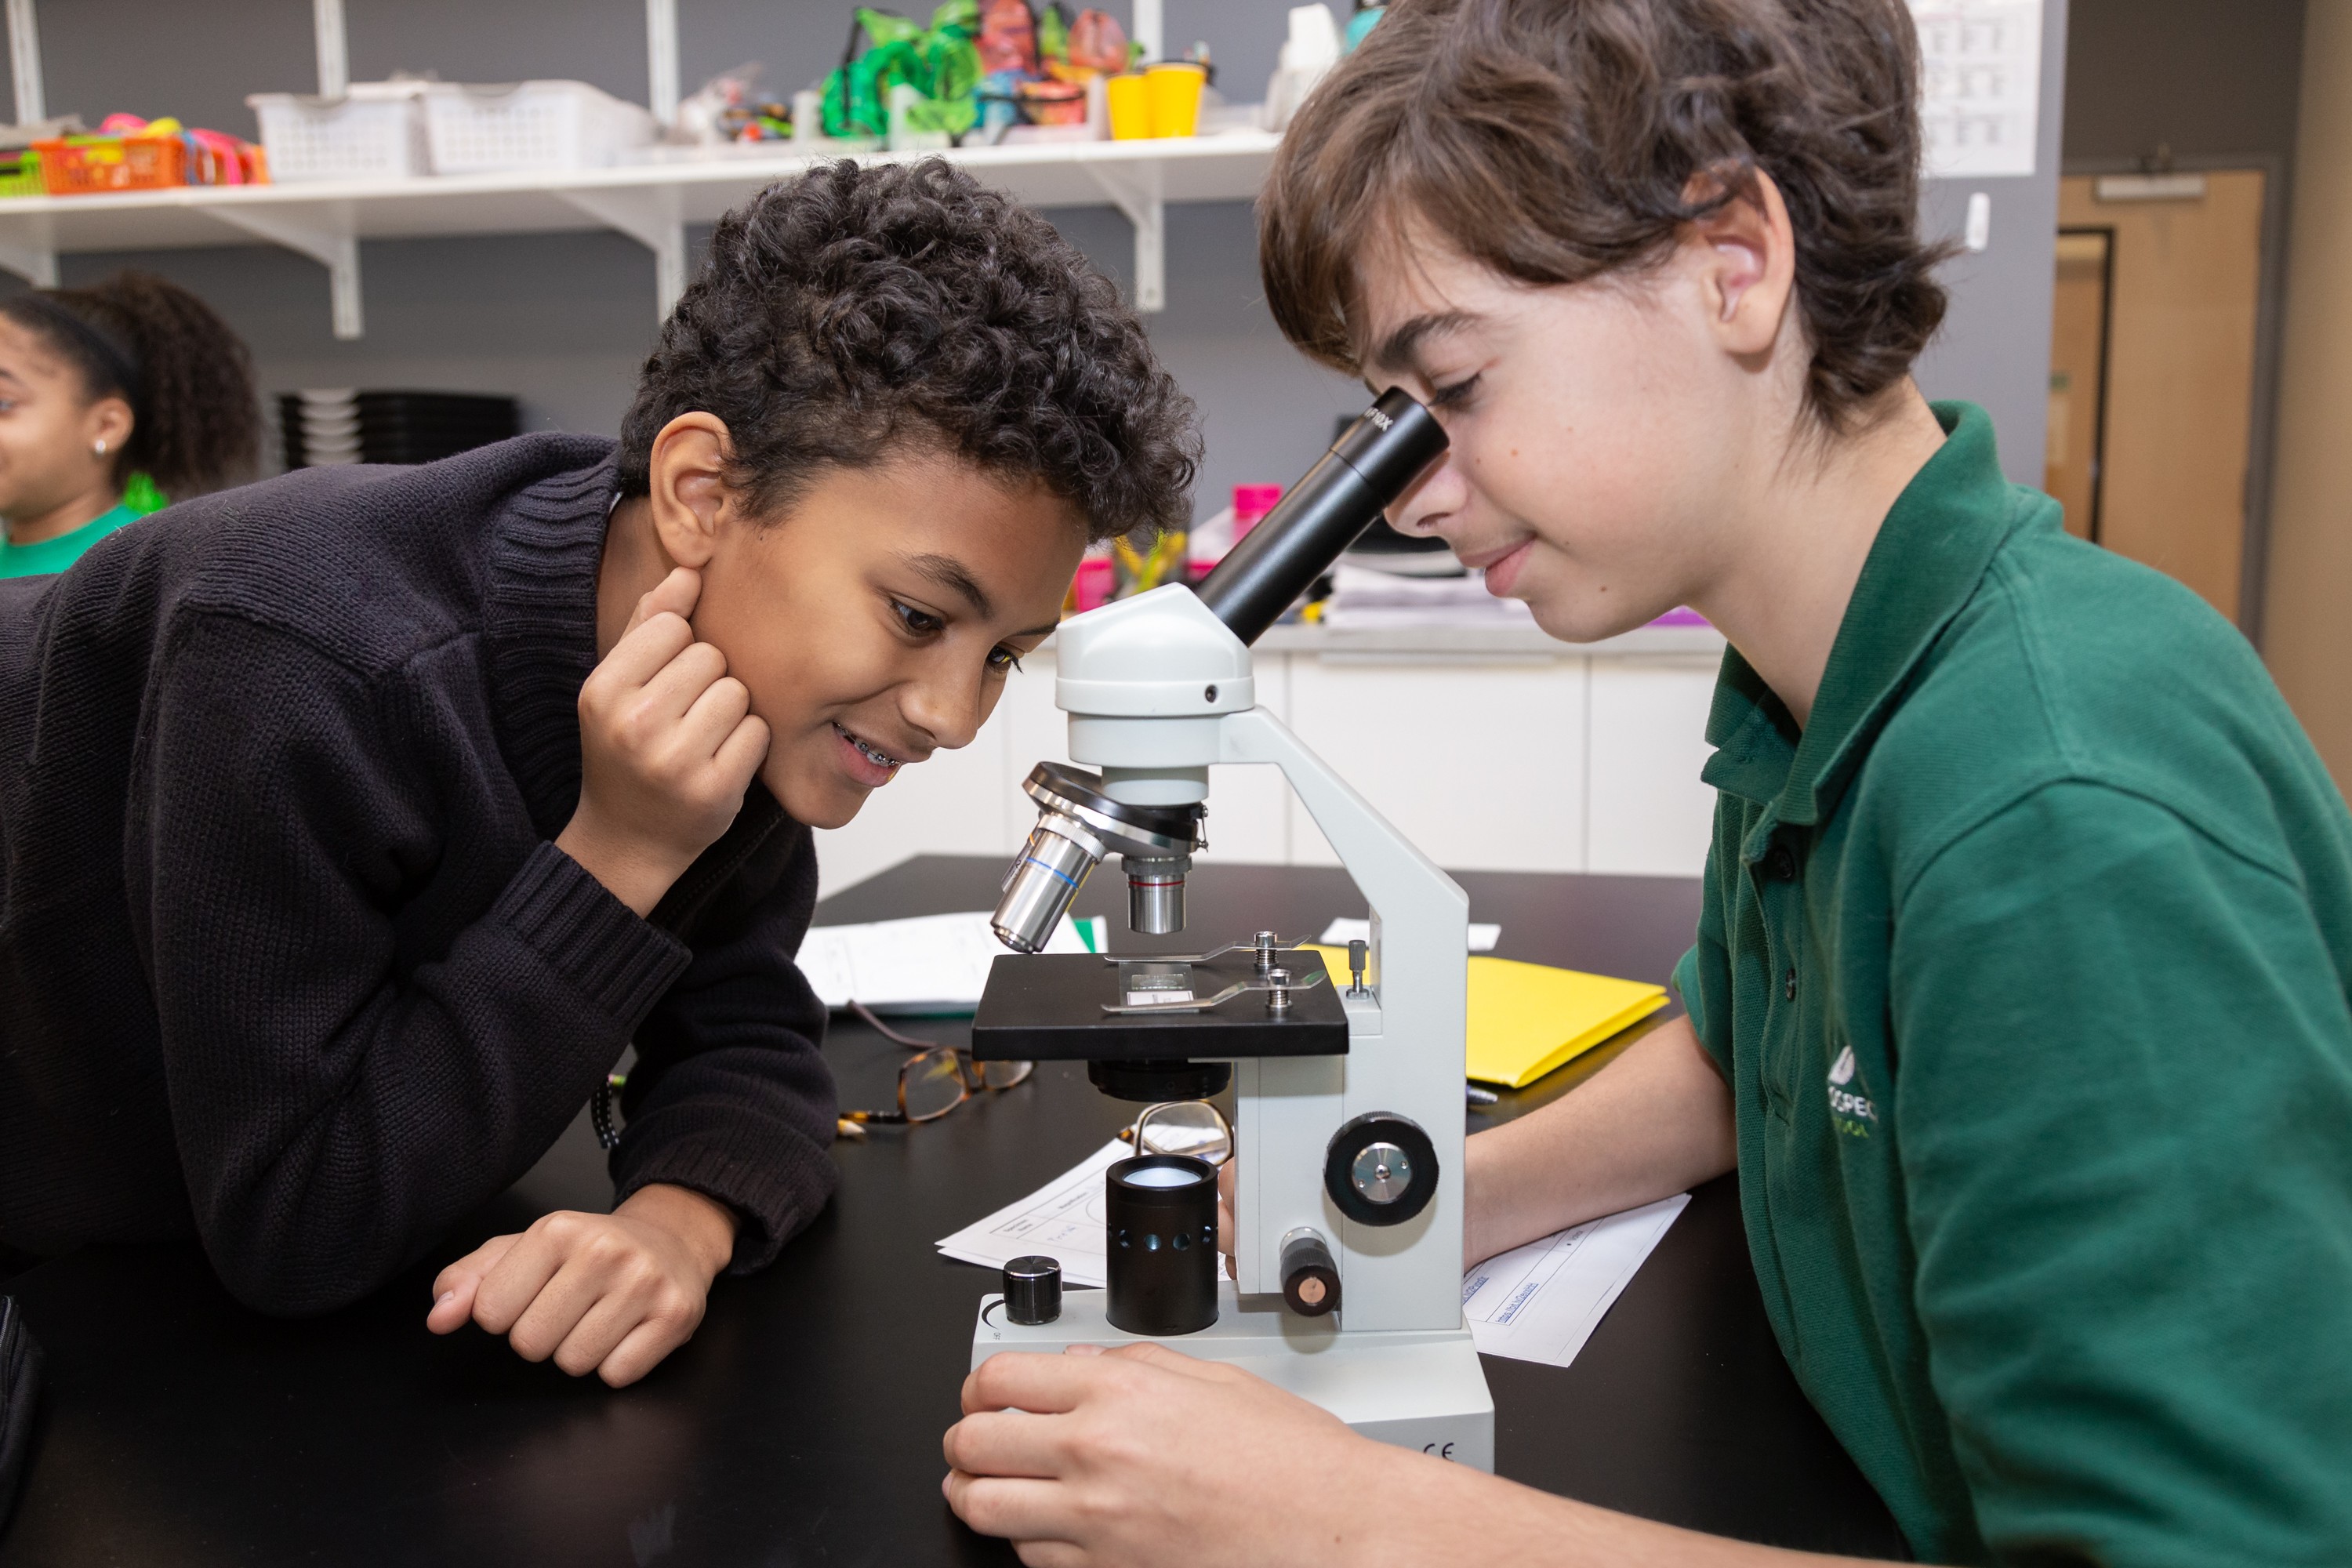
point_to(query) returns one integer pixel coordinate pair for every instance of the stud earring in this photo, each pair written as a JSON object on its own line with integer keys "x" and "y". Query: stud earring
{"x": 99, "y": 448}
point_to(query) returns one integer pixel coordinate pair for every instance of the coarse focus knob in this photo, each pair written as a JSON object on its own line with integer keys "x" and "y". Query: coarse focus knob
{"x": 1310, "y": 1279}
{"x": 1381, "y": 1169}
{"x": 1033, "y": 1289}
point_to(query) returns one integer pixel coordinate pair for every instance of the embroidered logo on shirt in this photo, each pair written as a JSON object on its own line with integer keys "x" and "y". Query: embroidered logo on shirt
{"x": 1850, "y": 1112}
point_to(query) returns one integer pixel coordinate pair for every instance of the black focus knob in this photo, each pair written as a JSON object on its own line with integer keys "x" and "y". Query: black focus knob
{"x": 1310, "y": 1279}
{"x": 1033, "y": 1289}
{"x": 1381, "y": 1169}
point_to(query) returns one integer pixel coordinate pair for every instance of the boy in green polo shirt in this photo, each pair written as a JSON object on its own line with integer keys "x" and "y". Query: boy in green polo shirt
{"x": 2020, "y": 996}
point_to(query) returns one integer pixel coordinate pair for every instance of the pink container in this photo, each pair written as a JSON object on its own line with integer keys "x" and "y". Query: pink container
{"x": 1091, "y": 590}
{"x": 1252, "y": 503}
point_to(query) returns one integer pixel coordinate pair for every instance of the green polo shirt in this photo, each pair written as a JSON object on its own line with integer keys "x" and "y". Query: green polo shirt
{"x": 2027, "y": 963}
{"x": 52, "y": 555}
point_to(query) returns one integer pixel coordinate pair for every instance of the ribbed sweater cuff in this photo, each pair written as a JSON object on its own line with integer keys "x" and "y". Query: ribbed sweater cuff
{"x": 774, "y": 1193}
{"x": 568, "y": 918}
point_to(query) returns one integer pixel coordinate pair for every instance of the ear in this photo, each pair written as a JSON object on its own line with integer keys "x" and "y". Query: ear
{"x": 107, "y": 420}
{"x": 692, "y": 500}
{"x": 1749, "y": 270}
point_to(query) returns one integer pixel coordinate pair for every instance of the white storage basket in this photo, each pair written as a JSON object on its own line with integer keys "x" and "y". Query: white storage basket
{"x": 529, "y": 125}
{"x": 377, "y": 132}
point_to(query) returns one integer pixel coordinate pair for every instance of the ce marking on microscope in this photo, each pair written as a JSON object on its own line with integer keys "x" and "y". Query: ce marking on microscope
{"x": 1442, "y": 1450}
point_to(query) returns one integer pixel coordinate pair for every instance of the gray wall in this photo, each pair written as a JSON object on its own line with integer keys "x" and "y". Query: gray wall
{"x": 561, "y": 320}
{"x": 2207, "y": 77}
{"x": 1994, "y": 348}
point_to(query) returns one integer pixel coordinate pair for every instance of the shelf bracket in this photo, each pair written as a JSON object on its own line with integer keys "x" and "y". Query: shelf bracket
{"x": 649, "y": 216}
{"x": 1136, "y": 190}
{"x": 336, "y": 249}
{"x": 36, "y": 263}
{"x": 661, "y": 59}
{"x": 334, "y": 47}
{"x": 25, "y": 57}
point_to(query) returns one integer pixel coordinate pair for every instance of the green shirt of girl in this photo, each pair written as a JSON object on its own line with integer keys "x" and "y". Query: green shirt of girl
{"x": 113, "y": 400}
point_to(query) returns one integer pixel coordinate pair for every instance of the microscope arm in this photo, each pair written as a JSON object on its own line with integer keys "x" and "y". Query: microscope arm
{"x": 1405, "y": 1058}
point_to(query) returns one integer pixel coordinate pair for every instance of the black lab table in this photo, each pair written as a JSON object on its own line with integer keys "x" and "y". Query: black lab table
{"x": 802, "y": 1425}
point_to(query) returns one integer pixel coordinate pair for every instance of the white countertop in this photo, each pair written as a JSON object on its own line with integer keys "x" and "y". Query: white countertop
{"x": 1479, "y": 644}
{"x": 1485, "y": 644}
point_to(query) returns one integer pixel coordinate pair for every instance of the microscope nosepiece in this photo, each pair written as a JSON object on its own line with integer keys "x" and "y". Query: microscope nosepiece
{"x": 1077, "y": 824}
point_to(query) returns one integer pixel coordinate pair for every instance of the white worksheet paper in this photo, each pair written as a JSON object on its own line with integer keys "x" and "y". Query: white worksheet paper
{"x": 1538, "y": 1302}
{"x": 1063, "y": 1219}
{"x": 1542, "y": 1301}
{"x": 928, "y": 964}
{"x": 1981, "y": 85}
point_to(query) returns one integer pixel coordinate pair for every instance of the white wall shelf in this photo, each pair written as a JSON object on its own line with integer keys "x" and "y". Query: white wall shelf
{"x": 651, "y": 203}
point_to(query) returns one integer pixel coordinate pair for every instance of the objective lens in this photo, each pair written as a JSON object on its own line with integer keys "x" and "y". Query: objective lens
{"x": 1038, "y": 889}
{"x": 1155, "y": 894}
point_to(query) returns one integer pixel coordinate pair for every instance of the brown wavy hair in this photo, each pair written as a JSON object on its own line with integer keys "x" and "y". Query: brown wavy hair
{"x": 1557, "y": 141}
{"x": 859, "y": 311}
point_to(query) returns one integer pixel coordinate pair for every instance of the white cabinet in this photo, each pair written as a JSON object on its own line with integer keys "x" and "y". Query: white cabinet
{"x": 1525, "y": 761}
{"x": 1481, "y": 764}
{"x": 1648, "y": 814}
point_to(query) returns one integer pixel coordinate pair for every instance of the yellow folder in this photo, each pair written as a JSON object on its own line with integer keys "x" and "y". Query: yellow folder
{"x": 1528, "y": 1018}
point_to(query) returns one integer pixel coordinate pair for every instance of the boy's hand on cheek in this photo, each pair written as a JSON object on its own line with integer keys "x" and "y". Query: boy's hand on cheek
{"x": 610, "y": 1294}
{"x": 667, "y": 746}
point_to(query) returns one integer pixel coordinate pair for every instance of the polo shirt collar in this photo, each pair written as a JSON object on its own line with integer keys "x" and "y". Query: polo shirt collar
{"x": 1926, "y": 563}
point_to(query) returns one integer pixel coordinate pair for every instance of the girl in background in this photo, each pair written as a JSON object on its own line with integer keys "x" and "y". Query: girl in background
{"x": 114, "y": 400}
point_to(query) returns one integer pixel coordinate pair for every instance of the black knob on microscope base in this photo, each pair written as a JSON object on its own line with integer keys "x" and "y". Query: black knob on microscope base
{"x": 1033, "y": 1290}
{"x": 1310, "y": 1279}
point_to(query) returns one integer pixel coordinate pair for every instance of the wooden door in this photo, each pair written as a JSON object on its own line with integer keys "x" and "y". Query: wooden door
{"x": 2078, "y": 373}
{"x": 2167, "y": 468}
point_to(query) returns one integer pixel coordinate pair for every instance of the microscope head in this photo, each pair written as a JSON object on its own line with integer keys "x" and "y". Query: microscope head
{"x": 1146, "y": 680}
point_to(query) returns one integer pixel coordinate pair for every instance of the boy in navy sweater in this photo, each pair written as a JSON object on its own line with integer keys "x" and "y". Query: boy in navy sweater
{"x": 352, "y": 824}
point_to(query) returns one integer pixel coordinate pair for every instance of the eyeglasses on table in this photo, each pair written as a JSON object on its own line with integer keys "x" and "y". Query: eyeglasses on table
{"x": 932, "y": 1082}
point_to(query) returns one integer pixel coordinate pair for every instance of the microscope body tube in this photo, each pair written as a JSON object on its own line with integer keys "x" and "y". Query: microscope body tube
{"x": 1318, "y": 518}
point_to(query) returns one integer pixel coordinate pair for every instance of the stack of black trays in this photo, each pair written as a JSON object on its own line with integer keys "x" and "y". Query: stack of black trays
{"x": 341, "y": 426}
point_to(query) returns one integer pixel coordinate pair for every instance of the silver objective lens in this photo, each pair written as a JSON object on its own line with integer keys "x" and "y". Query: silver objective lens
{"x": 1155, "y": 893}
{"x": 1051, "y": 870}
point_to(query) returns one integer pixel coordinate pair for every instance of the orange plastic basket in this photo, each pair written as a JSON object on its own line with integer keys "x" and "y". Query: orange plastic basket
{"x": 96, "y": 165}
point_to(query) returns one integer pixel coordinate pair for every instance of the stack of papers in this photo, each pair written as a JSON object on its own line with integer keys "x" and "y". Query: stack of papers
{"x": 1542, "y": 1301}
{"x": 1340, "y": 933}
{"x": 931, "y": 964}
{"x": 1362, "y": 599}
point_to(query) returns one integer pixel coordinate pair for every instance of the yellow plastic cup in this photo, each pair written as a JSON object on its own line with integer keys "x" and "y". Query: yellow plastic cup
{"x": 1174, "y": 91}
{"x": 1130, "y": 108}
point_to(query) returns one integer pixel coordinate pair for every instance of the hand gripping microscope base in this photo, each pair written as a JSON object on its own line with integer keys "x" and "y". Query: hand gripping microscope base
{"x": 1351, "y": 1110}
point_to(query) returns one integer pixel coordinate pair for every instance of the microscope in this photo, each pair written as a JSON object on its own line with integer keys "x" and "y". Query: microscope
{"x": 1347, "y": 1213}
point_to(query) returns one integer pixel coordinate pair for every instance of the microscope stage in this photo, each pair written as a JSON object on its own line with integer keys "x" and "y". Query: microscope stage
{"x": 1048, "y": 1007}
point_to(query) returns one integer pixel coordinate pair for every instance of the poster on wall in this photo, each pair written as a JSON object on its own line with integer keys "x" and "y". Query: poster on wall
{"x": 1983, "y": 62}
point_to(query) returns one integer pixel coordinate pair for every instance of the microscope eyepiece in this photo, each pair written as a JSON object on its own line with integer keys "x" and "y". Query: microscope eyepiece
{"x": 1362, "y": 476}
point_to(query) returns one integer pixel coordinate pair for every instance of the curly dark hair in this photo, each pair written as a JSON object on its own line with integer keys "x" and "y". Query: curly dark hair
{"x": 856, "y": 312}
{"x": 1554, "y": 141}
{"x": 195, "y": 416}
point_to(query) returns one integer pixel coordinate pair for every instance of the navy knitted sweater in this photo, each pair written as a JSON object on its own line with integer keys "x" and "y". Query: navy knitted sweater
{"x": 288, "y": 960}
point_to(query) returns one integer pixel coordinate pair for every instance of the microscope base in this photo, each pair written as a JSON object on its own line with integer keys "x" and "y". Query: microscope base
{"x": 1416, "y": 1389}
